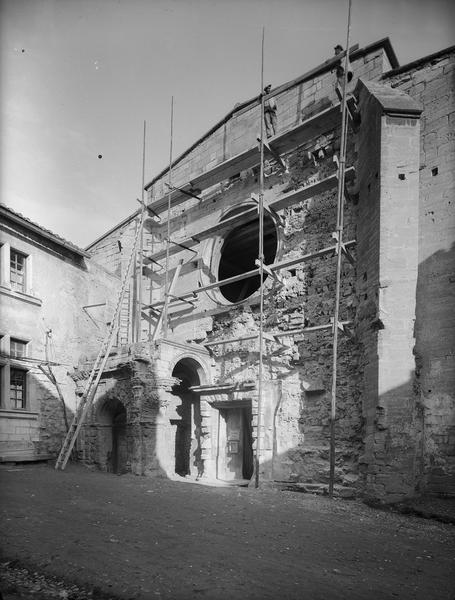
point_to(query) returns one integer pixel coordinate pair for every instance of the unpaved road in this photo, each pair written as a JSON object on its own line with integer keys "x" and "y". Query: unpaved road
{"x": 145, "y": 538}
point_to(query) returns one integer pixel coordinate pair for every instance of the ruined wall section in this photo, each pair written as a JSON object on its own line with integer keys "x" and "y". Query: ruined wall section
{"x": 301, "y": 428}
{"x": 432, "y": 83}
{"x": 130, "y": 384}
{"x": 137, "y": 383}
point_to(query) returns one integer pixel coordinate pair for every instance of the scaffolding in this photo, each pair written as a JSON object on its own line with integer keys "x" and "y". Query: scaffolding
{"x": 275, "y": 146}
{"x": 247, "y": 159}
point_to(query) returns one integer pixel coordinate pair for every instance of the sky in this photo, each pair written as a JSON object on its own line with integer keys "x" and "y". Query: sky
{"x": 78, "y": 78}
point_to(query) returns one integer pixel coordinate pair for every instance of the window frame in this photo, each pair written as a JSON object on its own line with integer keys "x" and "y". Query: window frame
{"x": 14, "y": 271}
{"x": 13, "y": 400}
{"x": 217, "y": 250}
{"x": 20, "y": 343}
{"x": 10, "y": 364}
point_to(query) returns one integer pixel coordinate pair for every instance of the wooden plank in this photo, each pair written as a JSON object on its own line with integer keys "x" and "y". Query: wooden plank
{"x": 277, "y": 334}
{"x": 222, "y": 387}
{"x": 287, "y": 141}
{"x": 240, "y": 162}
{"x": 177, "y": 197}
{"x": 167, "y": 294}
{"x": 308, "y": 191}
{"x": 283, "y": 201}
{"x": 286, "y": 264}
{"x": 206, "y": 233}
{"x": 313, "y": 127}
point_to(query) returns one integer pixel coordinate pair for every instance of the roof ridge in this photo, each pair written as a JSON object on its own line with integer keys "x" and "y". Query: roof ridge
{"x": 58, "y": 239}
{"x": 419, "y": 61}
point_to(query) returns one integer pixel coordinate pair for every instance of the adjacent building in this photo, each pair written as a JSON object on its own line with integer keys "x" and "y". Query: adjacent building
{"x": 55, "y": 302}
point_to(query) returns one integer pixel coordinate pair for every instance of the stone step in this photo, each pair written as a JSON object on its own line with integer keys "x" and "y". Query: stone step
{"x": 320, "y": 489}
{"x": 25, "y": 457}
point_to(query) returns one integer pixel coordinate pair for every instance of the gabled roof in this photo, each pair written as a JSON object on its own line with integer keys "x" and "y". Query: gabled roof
{"x": 354, "y": 53}
{"x": 12, "y": 215}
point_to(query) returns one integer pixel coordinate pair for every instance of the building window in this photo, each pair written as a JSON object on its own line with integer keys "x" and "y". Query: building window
{"x": 239, "y": 253}
{"x": 17, "y": 348}
{"x": 17, "y": 389}
{"x": 17, "y": 271}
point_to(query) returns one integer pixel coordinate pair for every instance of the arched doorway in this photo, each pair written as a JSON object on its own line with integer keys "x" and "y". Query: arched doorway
{"x": 185, "y": 417}
{"x": 113, "y": 454}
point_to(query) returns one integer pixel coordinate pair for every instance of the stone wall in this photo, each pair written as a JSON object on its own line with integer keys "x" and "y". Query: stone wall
{"x": 301, "y": 423}
{"x": 121, "y": 386}
{"x": 387, "y": 278}
{"x": 135, "y": 382}
{"x": 432, "y": 83}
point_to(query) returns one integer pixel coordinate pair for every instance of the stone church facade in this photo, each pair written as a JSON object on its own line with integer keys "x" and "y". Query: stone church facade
{"x": 179, "y": 396}
{"x": 187, "y": 404}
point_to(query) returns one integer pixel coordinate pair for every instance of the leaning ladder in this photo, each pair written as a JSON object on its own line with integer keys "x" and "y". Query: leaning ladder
{"x": 99, "y": 365}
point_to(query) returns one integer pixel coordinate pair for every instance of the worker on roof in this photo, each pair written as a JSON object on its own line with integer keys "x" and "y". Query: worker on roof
{"x": 270, "y": 118}
{"x": 340, "y": 69}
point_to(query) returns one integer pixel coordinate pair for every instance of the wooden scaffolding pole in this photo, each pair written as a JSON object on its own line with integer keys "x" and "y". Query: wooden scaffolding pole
{"x": 261, "y": 277}
{"x": 168, "y": 229}
{"x": 138, "y": 308}
{"x": 339, "y": 240}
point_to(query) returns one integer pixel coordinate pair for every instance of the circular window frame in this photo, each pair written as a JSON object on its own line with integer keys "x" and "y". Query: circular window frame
{"x": 213, "y": 248}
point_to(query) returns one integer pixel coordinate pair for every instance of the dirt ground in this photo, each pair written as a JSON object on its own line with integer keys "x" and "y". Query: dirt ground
{"x": 80, "y": 535}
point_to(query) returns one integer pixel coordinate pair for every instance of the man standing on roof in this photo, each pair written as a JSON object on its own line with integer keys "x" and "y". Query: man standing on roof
{"x": 340, "y": 69}
{"x": 270, "y": 113}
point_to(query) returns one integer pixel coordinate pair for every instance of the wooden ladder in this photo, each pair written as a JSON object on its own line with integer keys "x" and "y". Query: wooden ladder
{"x": 99, "y": 365}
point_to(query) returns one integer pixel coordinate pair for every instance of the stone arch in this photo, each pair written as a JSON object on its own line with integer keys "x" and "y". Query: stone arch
{"x": 111, "y": 418}
{"x": 193, "y": 362}
{"x": 186, "y": 416}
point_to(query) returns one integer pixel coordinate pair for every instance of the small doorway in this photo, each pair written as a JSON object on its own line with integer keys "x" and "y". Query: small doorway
{"x": 235, "y": 443}
{"x": 119, "y": 446}
{"x": 186, "y": 421}
{"x": 113, "y": 453}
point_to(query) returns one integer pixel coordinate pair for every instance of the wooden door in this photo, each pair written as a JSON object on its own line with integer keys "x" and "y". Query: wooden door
{"x": 234, "y": 444}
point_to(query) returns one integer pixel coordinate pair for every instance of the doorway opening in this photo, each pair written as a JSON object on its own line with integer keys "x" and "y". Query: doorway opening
{"x": 187, "y": 421}
{"x": 113, "y": 451}
{"x": 235, "y": 442}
